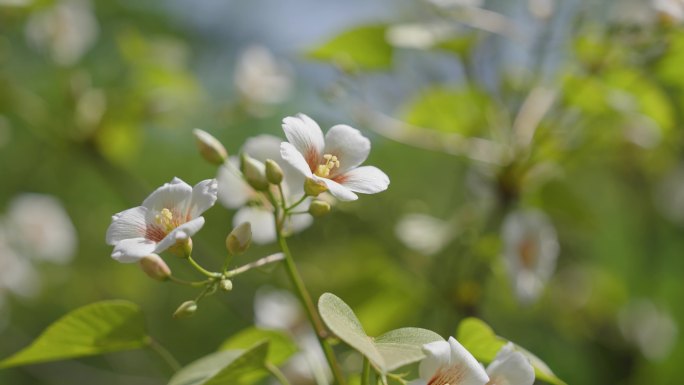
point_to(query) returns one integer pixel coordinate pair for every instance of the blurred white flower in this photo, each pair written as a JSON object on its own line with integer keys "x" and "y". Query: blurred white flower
{"x": 279, "y": 309}
{"x": 169, "y": 215}
{"x": 510, "y": 367}
{"x": 669, "y": 195}
{"x": 333, "y": 160}
{"x": 260, "y": 78}
{"x": 530, "y": 250}
{"x": 649, "y": 328}
{"x": 235, "y": 193}
{"x": 419, "y": 35}
{"x": 65, "y": 31}
{"x": 424, "y": 233}
{"x": 449, "y": 363}
{"x": 670, "y": 9}
{"x": 40, "y": 228}
{"x": 17, "y": 275}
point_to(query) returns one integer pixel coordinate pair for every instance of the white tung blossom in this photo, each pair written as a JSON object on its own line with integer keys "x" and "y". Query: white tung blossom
{"x": 530, "y": 252}
{"x": 449, "y": 363}
{"x": 510, "y": 367}
{"x": 17, "y": 275}
{"x": 424, "y": 233}
{"x": 171, "y": 214}
{"x": 333, "y": 160}
{"x": 672, "y": 9}
{"x": 235, "y": 193}
{"x": 260, "y": 78}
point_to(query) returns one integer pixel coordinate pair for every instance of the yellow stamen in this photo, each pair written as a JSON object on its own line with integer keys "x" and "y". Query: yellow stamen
{"x": 331, "y": 161}
{"x": 165, "y": 219}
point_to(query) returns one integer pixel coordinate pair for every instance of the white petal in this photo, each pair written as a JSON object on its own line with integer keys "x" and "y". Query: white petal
{"x": 350, "y": 147}
{"x": 438, "y": 355}
{"x": 132, "y": 250}
{"x": 510, "y": 367}
{"x": 262, "y": 147}
{"x": 203, "y": 197}
{"x": 180, "y": 233}
{"x": 337, "y": 190}
{"x": 233, "y": 191}
{"x": 472, "y": 373}
{"x": 299, "y": 222}
{"x": 175, "y": 194}
{"x": 263, "y": 224}
{"x": 306, "y": 136}
{"x": 127, "y": 224}
{"x": 366, "y": 180}
{"x": 295, "y": 158}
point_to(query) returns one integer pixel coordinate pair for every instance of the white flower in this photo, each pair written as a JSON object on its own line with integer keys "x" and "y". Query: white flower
{"x": 424, "y": 233}
{"x": 649, "y": 328}
{"x": 17, "y": 275}
{"x": 449, "y": 363}
{"x": 235, "y": 193}
{"x": 510, "y": 367}
{"x": 40, "y": 228}
{"x": 672, "y": 9}
{"x": 66, "y": 30}
{"x": 333, "y": 160}
{"x": 260, "y": 78}
{"x": 530, "y": 252}
{"x": 169, "y": 215}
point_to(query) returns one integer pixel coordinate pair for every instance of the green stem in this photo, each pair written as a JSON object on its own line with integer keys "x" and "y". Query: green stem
{"x": 306, "y": 301}
{"x": 277, "y": 374}
{"x": 302, "y": 199}
{"x": 201, "y": 269}
{"x": 365, "y": 375}
{"x": 165, "y": 355}
{"x": 188, "y": 283}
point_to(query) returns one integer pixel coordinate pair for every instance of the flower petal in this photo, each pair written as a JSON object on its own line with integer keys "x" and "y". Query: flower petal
{"x": 233, "y": 192}
{"x": 180, "y": 233}
{"x": 203, "y": 197}
{"x": 263, "y": 224}
{"x": 438, "y": 355}
{"x": 262, "y": 147}
{"x": 349, "y": 145}
{"x": 133, "y": 249}
{"x": 306, "y": 136}
{"x": 471, "y": 372}
{"x": 337, "y": 190}
{"x": 510, "y": 367}
{"x": 175, "y": 194}
{"x": 366, "y": 180}
{"x": 127, "y": 224}
{"x": 295, "y": 158}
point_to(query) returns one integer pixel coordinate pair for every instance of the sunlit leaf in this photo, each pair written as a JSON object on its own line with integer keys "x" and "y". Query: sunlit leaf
{"x": 363, "y": 47}
{"x": 404, "y": 346}
{"x": 481, "y": 341}
{"x": 225, "y": 367}
{"x": 101, "y": 327}
{"x": 281, "y": 346}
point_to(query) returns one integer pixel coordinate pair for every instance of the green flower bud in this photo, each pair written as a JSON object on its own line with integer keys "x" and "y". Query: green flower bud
{"x": 210, "y": 148}
{"x": 239, "y": 240}
{"x": 155, "y": 267}
{"x": 318, "y": 208}
{"x": 274, "y": 173}
{"x": 186, "y": 309}
{"x": 254, "y": 172}
{"x": 314, "y": 188}
{"x": 226, "y": 285}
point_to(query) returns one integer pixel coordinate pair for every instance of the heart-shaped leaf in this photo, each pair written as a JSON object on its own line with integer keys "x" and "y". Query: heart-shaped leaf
{"x": 101, "y": 327}
{"x": 235, "y": 367}
{"x": 388, "y": 352}
{"x": 281, "y": 346}
{"x": 481, "y": 341}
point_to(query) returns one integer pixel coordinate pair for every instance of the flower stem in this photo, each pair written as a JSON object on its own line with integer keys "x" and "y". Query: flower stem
{"x": 201, "y": 269}
{"x": 258, "y": 263}
{"x": 277, "y": 374}
{"x": 365, "y": 375}
{"x": 188, "y": 283}
{"x": 302, "y": 199}
{"x": 306, "y": 301}
{"x": 164, "y": 354}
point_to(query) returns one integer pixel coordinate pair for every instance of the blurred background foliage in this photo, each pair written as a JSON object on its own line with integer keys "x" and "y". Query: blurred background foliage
{"x": 476, "y": 109}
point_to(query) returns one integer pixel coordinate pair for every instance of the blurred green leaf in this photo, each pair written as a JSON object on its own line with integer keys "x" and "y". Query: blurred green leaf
{"x": 98, "y": 328}
{"x": 388, "y": 352}
{"x": 481, "y": 341}
{"x": 225, "y": 367}
{"x": 362, "y": 47}
{"x": 281, "y": 345}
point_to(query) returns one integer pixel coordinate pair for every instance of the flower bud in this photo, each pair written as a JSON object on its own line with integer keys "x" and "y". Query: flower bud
{"x": 182, "y": 248}
{"x": 186, "y": 309}
{"x": 314, "y": 188}
{"x": 254, "y": 172}
{"x": 239, "y": 240}
{"x": 318, "y": 208}
{"x": 155, "y": 267}
{"x": 210, "y": 148}
{"x": 274, "y": 174}
{"x": 226, "y": 285}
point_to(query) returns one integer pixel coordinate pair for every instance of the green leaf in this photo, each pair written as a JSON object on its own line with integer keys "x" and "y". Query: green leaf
{"x": 225, "y": 367}
{"x": 281, "y": 345}
{"x": 363, "y": 47}
{"x": 98, "y": 328}
{"x": 481, "y": 341}
{"x": 389, "y": 351}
